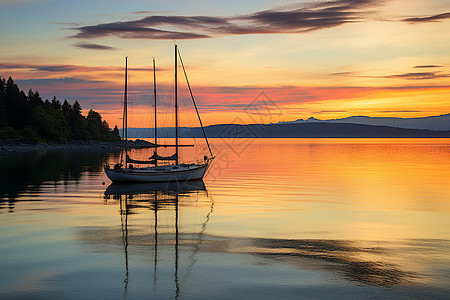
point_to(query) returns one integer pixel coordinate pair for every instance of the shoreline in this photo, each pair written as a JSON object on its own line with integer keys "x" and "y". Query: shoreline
{"x": 10, "y": 146}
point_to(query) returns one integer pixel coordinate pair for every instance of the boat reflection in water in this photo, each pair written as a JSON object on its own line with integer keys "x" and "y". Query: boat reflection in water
{"x": 171, "y": 187}
{"x": 156, "y": 197}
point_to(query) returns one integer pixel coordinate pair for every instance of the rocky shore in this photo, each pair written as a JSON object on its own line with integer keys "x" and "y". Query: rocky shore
{"x": 9, "y": 146}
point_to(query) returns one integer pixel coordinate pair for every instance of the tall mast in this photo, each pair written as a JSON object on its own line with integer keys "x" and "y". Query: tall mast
{"x": 125, "y": 113}
{"x": 154, "y": 92}
{"x": 176, "y": 109}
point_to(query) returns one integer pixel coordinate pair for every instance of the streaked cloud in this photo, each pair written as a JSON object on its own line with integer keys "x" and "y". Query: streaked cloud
{"x": 399, "y": 111}
{"x": 427, "y": 66}
{"x": 433, "y": 18}
{"x": 143, "y": 12}
{"x": 54, "y": 81}
{"x": 94, "y": 46}
{"x": 139, "y": 29}
{"x": 419, "y": 76}
{"x": 343, "y": 74}
{"x": 70, "y": 68}
{"x": 67, "y": 23}
{"x": 408, "y": 75}
{"x": 330, "y": 111}
{"x": 290, "y": 19}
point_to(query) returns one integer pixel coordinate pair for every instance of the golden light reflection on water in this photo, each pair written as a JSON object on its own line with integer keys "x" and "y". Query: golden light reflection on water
{"x": 340, "y": 188}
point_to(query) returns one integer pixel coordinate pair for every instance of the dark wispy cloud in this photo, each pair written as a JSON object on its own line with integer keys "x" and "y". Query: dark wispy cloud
{"x": 143, "y": 12}
{"x": 329, "y": 111}
{"x": 69, "y": 68}
{"x": 419, "y": 75}
{"x": 408, "y": 76}
{"x": 399, "y": 111}
{"x": 55, "y": 81}
{"x": 433, "y": 18}
{"x": 57, "y": 68}
{"x": 427, "y": 66}
{"x": 343, "y": 74}
{"x": 291, "y": 19}
{"x": 141, "y": 29}
{"x": 67, "y": 23}
{"x": 91, "y": 46}
{"x": 45, "y": 68}
{"x": 50, "y": 68}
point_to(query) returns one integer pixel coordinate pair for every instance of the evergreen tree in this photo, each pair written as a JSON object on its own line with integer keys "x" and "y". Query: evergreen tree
{"x": 3, "y": 119}
{"x": 16, "y": 105}
{"x": 77, "y": 108}
{"x": 56, "y": 104}
{"x": 105, "y": 125}
{"x": 34, "y": 98}
{"x": 67, "y": 110}
{"x": 95, "y": 124}
{"x": 115, "y": 135}
{"x": 79, "y": 124}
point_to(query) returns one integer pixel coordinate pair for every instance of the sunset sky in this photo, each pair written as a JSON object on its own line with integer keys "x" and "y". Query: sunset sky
{"x": 284, "y": 59}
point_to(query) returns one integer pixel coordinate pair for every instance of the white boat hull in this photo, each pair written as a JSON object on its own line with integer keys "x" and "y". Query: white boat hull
{"x": 151, "y": 175}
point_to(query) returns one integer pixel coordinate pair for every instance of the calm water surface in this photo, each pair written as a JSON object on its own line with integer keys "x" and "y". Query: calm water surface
{"x": 275, "y": 218}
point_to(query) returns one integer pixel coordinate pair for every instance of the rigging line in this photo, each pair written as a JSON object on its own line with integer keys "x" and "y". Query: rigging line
{"x": 195, "y": 105}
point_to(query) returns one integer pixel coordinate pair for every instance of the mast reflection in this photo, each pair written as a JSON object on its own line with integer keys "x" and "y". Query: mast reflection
{"x": 124, "y": 225}
{"x": 156, "y": 197}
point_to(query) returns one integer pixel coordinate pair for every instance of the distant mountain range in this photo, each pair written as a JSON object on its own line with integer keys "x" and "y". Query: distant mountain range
{"x": 441, "y": 122}
{"x": 311, "y": 130}
{"x": 293, "y": 130}
{"x": 358, "y": 126}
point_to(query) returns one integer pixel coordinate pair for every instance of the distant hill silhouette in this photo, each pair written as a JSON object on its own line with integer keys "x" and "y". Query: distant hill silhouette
{"x": 441, "y": 122}
{"x": 317, "y": 129}
{"x": 296, "y": 130}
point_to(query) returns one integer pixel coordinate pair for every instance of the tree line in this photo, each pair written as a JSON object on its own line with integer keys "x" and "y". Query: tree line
{"x": 27, "y": 117}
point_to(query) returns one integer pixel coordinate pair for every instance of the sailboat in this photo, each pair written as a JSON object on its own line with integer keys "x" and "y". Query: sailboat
{"x": 159, "y": 168}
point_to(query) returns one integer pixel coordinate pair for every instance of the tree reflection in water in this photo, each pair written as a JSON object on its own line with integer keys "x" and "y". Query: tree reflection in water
{"x": 26, "y": 171}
